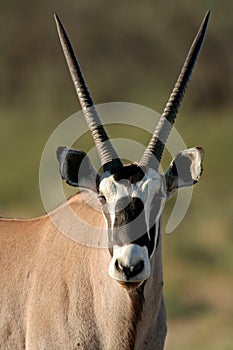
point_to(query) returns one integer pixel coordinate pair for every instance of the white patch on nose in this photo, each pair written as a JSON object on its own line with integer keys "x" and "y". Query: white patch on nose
{"x": 130, "y": 256}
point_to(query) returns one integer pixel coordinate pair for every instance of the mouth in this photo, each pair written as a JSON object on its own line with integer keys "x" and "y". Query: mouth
{"x": 130, "y": 285}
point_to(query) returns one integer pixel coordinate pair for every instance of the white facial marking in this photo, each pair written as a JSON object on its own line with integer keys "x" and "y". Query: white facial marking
{"x": 145, "y": 189}
{"x": 129, "y": 256}
{"x": 112, "y": 190}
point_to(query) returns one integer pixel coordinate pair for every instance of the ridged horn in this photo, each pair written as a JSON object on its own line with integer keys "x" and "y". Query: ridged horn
{"x": 108, "y": 156}
{"x": 153, "y": 153}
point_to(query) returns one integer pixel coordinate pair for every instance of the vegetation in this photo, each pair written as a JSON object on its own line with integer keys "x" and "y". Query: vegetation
{"x": 132, "y": 52}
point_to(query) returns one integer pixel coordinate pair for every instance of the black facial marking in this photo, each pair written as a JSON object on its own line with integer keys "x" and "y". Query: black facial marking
{"x": 133, "y": 173}
{"x": 129, "y": 220}
{"x": 130, "y": 223}
{"x": 127, "y": 211}
{"x": 149, "y": 241}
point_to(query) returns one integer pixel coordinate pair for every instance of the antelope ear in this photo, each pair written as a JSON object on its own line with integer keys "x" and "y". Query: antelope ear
{"x": 185, "y": 170}
{"x": 75, "y": 167}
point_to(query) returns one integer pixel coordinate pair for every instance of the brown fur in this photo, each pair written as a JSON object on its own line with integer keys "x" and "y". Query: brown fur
{"x": 56, "y": 294}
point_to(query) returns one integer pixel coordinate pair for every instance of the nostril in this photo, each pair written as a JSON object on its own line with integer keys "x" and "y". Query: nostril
{"x": 139, "y": 267}
{"x": 129, "y": 270}
{"x": 120, "y": 268}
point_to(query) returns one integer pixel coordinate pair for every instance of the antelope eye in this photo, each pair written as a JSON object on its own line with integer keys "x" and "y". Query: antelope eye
{"x": 101, "y": 199}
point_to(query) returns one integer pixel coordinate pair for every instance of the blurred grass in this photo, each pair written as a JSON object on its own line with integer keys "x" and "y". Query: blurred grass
{"x": 132, "y": 53}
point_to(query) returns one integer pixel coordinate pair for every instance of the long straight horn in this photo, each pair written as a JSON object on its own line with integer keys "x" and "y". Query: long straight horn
{"x": 153, "y": 153}
{"x": 108, "y": 156}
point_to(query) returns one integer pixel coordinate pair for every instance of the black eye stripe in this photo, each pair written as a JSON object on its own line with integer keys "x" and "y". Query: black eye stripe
{"x": 130, "y": 225}
{"x": 126, "y": 211}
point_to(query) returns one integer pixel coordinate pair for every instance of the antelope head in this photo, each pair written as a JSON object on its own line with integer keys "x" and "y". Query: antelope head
{"x": 131, "y": 196}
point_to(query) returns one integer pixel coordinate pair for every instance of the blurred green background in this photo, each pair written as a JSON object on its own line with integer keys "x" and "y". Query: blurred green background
{"x": 131, "y": 51}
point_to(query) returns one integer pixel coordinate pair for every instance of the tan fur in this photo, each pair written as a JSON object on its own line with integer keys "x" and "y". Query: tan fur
{"x": 56, "y": 294}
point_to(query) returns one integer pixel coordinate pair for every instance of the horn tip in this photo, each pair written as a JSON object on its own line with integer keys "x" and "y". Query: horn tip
{"x": 57, "y": 20}
{"x": 61, "y": 30}
{"x": 56, "y": 17}
{"x": 206, "y": 18}
{"x": 203, "y": 26}
{"x": 58, "y": 23}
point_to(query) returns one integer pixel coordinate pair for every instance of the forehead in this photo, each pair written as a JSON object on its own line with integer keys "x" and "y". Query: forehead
{"x": 130, "y": 181}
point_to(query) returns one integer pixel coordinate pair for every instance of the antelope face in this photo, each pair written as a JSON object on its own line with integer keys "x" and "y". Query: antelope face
{"x": 132, "y": 202}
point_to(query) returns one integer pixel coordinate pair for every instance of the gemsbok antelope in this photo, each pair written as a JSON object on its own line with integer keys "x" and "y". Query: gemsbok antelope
{"x": 58, "y": 294}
